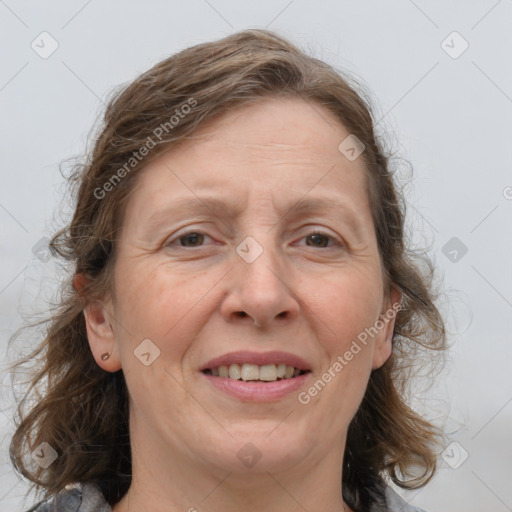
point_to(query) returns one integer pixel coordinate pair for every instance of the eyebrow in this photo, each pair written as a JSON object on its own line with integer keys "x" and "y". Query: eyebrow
{"x": 310, "y": 206}
{"x": 219, "y": 208}
{"x": 198, "y": 206}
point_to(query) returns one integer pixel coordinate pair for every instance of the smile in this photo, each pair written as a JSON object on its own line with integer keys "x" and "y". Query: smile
{"x": 254, "y": 372}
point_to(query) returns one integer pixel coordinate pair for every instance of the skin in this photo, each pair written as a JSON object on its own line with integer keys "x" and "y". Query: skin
{"x": 307, "y": 295}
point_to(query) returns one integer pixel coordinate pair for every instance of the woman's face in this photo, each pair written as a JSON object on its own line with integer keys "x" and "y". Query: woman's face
{"x": 257, "y": 238}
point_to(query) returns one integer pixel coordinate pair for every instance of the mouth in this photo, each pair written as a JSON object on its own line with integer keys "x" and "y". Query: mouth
{"x": 257, "y": 376}
{"x": 253, "y": 372}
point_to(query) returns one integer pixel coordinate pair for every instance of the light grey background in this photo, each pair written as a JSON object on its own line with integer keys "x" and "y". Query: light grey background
{"x": 450, "y": 117}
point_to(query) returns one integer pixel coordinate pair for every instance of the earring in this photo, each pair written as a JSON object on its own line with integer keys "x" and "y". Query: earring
{"x": 105, "y": 356}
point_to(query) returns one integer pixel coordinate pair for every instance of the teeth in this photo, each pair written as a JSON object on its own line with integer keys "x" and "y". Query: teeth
{"x": 249, "y": 371}
{"x": 267, "y": 372}
{"x": 234, "y": 372}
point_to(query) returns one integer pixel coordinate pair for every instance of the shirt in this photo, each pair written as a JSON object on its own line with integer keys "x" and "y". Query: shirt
{"x": 87, "y": 497}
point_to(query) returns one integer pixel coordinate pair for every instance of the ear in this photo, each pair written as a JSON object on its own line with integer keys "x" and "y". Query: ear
{"x": 383, "y": 345}
{"x": 100, "y": 334}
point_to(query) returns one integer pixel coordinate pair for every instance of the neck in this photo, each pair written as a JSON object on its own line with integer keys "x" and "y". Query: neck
{"x": 188, "y": 484}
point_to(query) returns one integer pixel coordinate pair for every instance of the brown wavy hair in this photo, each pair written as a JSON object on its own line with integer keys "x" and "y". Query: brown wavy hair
{"x": 82, "y": 410}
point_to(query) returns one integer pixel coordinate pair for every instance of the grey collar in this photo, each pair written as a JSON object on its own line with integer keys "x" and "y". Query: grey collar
{"x": 87, "y": 497}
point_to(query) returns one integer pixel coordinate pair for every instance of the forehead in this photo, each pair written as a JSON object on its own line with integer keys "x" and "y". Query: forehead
{"x": 275, "y": 151}
{"x": 290, "y": 126}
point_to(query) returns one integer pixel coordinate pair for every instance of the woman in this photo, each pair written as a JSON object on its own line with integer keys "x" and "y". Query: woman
{"x": 242, "y": 307}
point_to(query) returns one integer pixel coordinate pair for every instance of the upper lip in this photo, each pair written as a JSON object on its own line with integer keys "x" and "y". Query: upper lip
{"x": 258, "y": 358}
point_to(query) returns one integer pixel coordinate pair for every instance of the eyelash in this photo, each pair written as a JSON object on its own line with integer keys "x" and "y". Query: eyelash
{"x": 312, "y": 233}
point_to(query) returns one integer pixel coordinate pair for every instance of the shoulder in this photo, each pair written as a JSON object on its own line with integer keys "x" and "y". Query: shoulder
{"x": 79, "y": 497}
{"x": 397, "y": 504}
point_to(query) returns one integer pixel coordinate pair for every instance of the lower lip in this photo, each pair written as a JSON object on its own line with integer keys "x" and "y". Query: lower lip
{"x": 257, "y": 391}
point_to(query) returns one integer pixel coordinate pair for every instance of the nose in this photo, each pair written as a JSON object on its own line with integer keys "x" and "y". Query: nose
{"x": 260, "y": 292}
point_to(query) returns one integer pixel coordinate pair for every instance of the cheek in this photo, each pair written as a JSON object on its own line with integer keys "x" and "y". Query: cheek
{"x": 345, "y": 306}
{"x": 158, "y": 303}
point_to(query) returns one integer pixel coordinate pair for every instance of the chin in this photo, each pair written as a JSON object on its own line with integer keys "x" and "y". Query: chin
{"x": 259, "y": 451}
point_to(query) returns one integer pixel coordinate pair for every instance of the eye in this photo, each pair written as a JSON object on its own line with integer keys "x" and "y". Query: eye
{"x": 320, "y": 240}
{"x": 190, "y": 239}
